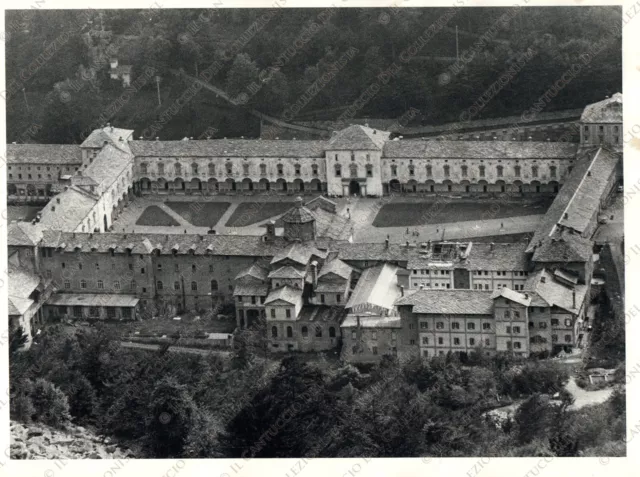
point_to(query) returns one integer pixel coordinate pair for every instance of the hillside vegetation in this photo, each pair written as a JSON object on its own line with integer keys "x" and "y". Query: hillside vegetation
{"x": 60, "y": 58}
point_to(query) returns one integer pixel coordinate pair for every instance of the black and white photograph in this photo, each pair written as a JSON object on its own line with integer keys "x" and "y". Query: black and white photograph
{"x": 284, "y": 231}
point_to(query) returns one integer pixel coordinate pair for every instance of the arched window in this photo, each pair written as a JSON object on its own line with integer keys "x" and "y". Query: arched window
{"x": 447, "y": 171}
{"x": 194, "y": 168}
{"x": 177, "y": 168}
{"x": 499, "y": 170}
{"x": 143, "y": 168}
{"x": 429, "y": 171}
{"x": 314, "y": 169}
{"x": 305, "y": 332}
{"x": 412, "y": 170}
{"x": 212, "y": 169}
{"x": 369, "y": 170}
{"x": 353, "y": 170}
{"x": 338, "y": 170}
{"x": 534, "y": 171}
{"x": 245, "y": 169}
{"x": 318, "y": 332}
{"x": 289, "y": 332}
{"x": 464, "y": 170}
{"x": 229, "y": 168}
{"x": 297, "y": 169}
{"x": 516, "y": 171}
{"x": 332, "y": 332}
{"x": 274, "y": 331}
{"x": 160, "y": 168}
{"x": 194, "y": 286}
{"x": 553, "y": 171}
{"x": 160, "y": 285}
{"x": 263, "y": 169}
{"x": 481, "y": 170}
{"x": 394, "y": 170}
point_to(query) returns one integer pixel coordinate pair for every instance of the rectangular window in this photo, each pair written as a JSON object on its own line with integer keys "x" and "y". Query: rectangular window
{"x": 509, "y": 329}
{"x": 472, "y": 342}
{"x": 440, "y": 325}
{"x": 555, "y": 322}
{"x": 111, "y": 312}
{"x": 100, "y": 284}
{"x": 486, "y": 326}
{"x": 353, "y": 335}
{"x": 425, "y": 340}
{"x": 516, "y": 329}
{"x": 67, "y": 284}
{"x": 288, "y": 313}
{"x": 456, "y": 341}
{"x": 273, "y": 313}
{"x": 440, "y": 340}
{"x": 424, "y": 325}
{"x": 542, "y": 325}
{"x": 517, "y": 345}
{"x": 116, "y": 285}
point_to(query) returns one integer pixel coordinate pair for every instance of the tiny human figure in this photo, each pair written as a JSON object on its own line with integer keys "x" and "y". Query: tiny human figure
{"x": 501, "y": 225}
{"x": 407, "y": 232}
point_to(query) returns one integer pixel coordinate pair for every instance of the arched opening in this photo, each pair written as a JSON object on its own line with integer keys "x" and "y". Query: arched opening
{"x": 145, "y": 185}
{"x": 412, "y": 186}
{"x": 483, "y": 185}
{"x": 394, "y": 186}
{"x": 502, "y": 185}
{"x": 12, "y": 189}
{"x": 241, "y": 323}
{"x": 466, "y": 185}
{"x": 315, "y": 185}
{"x": 212, "y": 185}
{"x": 298, "y": 185}
{"x": 448, "y": 184}
{"x": 430, "y": 186}
{"x": 281, "y": 185}
{"x": 252, "y": 316}
{"x": 555, "y": 186}
{"x": 230, "y": 184}
{"x": 517, "y": 186}
{"x": 535, "y": 186}
{"x": 354, "y": 188}
{"x": 264, "y": 185}
{"x": 178, "y": 184}
{"x": 305, "y": 331}
{"x": 195, "y": 185}
{"x": 247, "y": 185}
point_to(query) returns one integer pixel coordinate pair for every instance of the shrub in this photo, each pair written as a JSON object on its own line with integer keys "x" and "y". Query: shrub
{"x": 540, "y": 377}
{"x": 20, "y": 405}
{"x": 50, "y": 403}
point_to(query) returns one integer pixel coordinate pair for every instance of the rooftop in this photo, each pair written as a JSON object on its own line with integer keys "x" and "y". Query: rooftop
{"x": 479, "y": 149}
{"x": 298, "y": 252}
{"x": 287, "y": 272}
{"x": 449, "y": 302}
{"x": 71, "y": 207}
{"x": 358, "y": 137}
{"x": 377, "y": 288}
{"x": 511, "y": 295}
{"x": 229, "y": 148}
{"x": 255, "y": 271}
{"x": 555, "y": 293}
{"x": 108, "y": 165}
{"x": 335, "y": 267}
{"x": 608, "y": 110}
{"x": 23, "y": 234}
{"x": 44, "y": 154}
{"x": 480, "y": 256}
{"x": 298, "y": 214}
{"x": 286, "y": 293}
{"x": 323, "y": 314}
{"x": 91, "y": 299}
{"x": 110, "y": 135}
{"x": 351, "y": 321}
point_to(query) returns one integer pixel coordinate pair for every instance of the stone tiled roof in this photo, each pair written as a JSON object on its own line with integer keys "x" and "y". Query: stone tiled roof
{"x": 337, "y": 267}
{"x": 287, "y": 272}
{"x": 481, "y": 256}
{"x": 108, "y": 165}
{"x": 479, "y": 149}
{"x": 111, "y": 135}
{"x": 332, "y": 226}
{"x": 449, "y": 302}
{"x": 298, "y": 214}
{"x": 229, "y": 148}
{"x": 251, "y": 289}
{"x": 330, "y": 287}
{"x": 580, "y": 188}
{"x": 321, "y": 202}
{"x": 322, "y": 314}
{"x": 298, "y": 252}
{"x": 233, "y": 245}
{"x": 23, "y": 234}
{"x": 563, "y": 246}
{"x": 18, "y": 306}
{"x": 377, "y": 287}
{"x": 72, "y": 208}
{"x": 555, "y": 293}
{"x": 44, "y": 154}
{"x": 606, "y": 111}
{"x": 286, "y": 293}
{"x": 358, "y": 137}
{"x": 93, "y": 299}
{"x": 255, "y": 271}
{"x": 22, "y": 282}
{"x": 372, "y": 251}
{"x": 586, "y": 199}
{"x": 521, "y": 298}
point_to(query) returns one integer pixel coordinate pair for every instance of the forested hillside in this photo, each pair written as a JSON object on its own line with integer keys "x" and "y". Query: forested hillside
{"x": 60, "y": 58}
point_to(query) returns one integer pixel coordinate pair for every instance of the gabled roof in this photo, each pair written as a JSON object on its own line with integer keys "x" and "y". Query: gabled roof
{"x": 563, "y": 246}
{"x": 335, "y": 267}
{"x": 332, "y": 226}
{"x": 298, "y": 252}
{"x": 324, "y": 314}
{"x": 555, "y": 293}
{"x": 323, "y": 203}
{"x": 287, "y": 272}
{"x": 108, "y": 165}
{"x": 251, "y": 289}
{"x": 607, "y": 111}
{"x": 449, "y": 302}
{"x": 18, "y": 306}
{"x": 372, "y": 322}
{"x": 377, "y": 288}
{"x": 358, "y": 137}
{"x": 286, "y": 293}
{"x": 22, "y": 282}
{"x": 298, "y": 214}
{"x": 44, "y": 154}
{"x": 111, "y": 135}
{"x": 229, "y": 148}
{"x": 255, "y": 271}
{"x": 511, "y": 295}
{"x": 23, "y": 234}
{"x": 72, "y": 208}
{"x": 479, "y": 149}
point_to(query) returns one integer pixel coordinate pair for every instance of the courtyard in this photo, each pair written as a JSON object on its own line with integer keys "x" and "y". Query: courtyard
{"x": 400, "y": 218}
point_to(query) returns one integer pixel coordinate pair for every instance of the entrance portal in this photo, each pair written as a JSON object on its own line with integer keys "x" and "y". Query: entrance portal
{"x": 354, "y": 188}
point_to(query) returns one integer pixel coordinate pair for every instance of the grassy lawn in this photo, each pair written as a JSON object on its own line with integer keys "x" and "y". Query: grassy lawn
{"x": 154, "y": 215}
{"x": 401, "y": 214}
{"x": 200, "y": 214}
{"x": 249, "y": 213}
{"x": 22, "y": 212}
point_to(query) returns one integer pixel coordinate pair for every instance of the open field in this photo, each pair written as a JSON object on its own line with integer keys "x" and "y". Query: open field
{"x": 200, "y": 214}
{"x": 249, "y": 213}
{"x": 401, "y": 214}
{"x": 154, "y": 215}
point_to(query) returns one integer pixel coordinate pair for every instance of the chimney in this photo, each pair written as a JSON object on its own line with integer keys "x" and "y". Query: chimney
{"x": 401, "y": 290}
{"x": 543, "y": 279}
{"x": 566, "y": 215}
{"x": 407, "y": 244}
{"x": 526, "y": 296}
{"x": 358, "y": 321}
{"x": 386, "y": 243}
{"x": 491, "y": 246}
{"x": 58, "y": 200}
{"x": 120, "y": 139}
{"x": 111, "y": 128}
{"x": 299, "y": 201}
{"x": 271, "y": 231}
{"x": 574, "y": 298}
{"x": 104, "y": 143}
{"x": 314, "y": 273}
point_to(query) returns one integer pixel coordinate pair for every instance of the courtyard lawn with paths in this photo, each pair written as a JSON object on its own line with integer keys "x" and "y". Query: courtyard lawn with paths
{"x": 200, "y": 214}
{"x": 249, "y": 213}
{"x": 401, "y": 214}
{"x": 154, "y": 215}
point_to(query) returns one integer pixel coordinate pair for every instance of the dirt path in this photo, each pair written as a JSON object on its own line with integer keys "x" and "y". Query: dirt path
{"x": 177, "y": 349}
{"x": 586, "y": 398}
